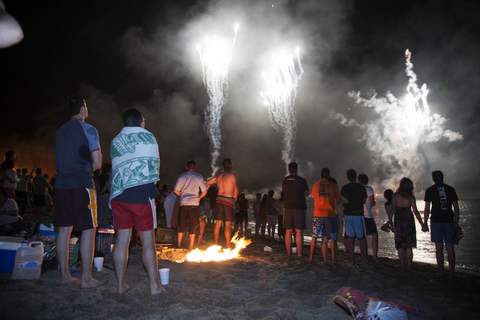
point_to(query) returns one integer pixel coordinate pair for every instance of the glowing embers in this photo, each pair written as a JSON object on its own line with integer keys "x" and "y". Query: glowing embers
{"x": 217, "y": 253}
{"x": 281, "y": 76}
{"x": 215, "y": 54}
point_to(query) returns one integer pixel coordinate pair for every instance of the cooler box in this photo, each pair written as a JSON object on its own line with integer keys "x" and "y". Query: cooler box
{"x": 47, "y": 230}
{"x": 8, "y": 250}
{"x": 104, "y": 240}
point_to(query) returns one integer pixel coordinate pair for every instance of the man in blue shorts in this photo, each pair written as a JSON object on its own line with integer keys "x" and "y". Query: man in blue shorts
{"x": 444, "y": 220}
{"x": 77, "y": 154}
{"x": 354, "y": 196}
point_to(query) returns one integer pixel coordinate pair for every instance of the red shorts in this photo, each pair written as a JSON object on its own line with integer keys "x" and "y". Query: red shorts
{"x": 141, "y": 215}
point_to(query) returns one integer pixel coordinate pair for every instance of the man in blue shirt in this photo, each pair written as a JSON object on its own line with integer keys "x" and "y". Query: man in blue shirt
{"x": 78, "y": 155}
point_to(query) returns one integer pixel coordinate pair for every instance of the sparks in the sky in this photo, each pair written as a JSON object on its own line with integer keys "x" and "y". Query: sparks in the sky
{"x": 281, "y": 78}
{"x": 215, "y": 54}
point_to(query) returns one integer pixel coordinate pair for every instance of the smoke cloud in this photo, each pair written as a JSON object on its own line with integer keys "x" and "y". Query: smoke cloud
{"x": 345, "y": 46}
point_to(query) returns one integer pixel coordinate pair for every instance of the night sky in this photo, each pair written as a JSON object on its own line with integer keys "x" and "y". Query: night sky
{"x": 121, "y": 54}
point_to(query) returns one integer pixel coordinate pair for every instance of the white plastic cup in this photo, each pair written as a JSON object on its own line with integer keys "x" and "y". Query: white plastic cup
{"x": 164, "y": 276}
{"x": 294, "y": 249}
{"x": 267, "y": 249}
{"x": 98, "y": 262}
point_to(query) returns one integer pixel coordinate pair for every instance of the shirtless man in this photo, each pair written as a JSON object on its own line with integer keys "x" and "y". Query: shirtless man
{"x": 226, "y": 182}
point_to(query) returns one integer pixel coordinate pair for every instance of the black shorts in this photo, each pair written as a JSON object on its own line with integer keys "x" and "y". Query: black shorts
{"x": 188, "y": 219}
{"x": 76, "y": 207}
{"x": 370, "y": 226}
{"x": 294, "y": 219}
{"x": 224, "y": 213}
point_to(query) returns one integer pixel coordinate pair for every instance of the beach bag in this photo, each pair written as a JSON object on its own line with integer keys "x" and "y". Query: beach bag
{"x": 380, "y": 310}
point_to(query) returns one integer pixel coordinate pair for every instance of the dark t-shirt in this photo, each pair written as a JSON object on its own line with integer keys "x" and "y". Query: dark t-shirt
{"x": 74, "y": 142}
{"x": 356, "y": 195}
{"x": 442, "y": 198}
{"x": 138, "y": 194}
{"x": 294, "y": 189}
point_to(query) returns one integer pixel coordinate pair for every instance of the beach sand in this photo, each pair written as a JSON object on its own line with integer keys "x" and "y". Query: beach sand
{"x": 259, "y": 285}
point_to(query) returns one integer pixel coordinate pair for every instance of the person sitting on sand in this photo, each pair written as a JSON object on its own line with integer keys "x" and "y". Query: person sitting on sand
{"x": 325, "y": 196}
{"x": 403, "y": 202}
{"x": 354, "y": 196}
{"x": 295, "y": 191}
{"x": 444, "y": 221}
{"x": 135, "y": 150}
{"x": 77, "y": 155}
{"x": 227, "y": 194}
{"x": 191, "y": 188}
{"x": 370, "y": 225}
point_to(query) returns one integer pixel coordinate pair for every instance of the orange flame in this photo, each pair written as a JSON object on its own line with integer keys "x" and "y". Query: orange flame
{"x": 217, "y": 253}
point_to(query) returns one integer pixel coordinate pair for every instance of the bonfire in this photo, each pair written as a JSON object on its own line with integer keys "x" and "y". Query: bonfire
{"x": 216, "y": 253}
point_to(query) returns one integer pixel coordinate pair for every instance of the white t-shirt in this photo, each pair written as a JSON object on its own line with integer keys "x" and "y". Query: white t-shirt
{"x": 188, "y": 186}
{"x": 367, "y": 208}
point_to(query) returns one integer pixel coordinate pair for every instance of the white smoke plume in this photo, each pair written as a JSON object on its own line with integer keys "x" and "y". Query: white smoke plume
{"x": 400, "y": 128}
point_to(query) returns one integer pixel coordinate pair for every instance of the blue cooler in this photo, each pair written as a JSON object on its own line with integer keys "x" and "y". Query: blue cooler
{"x": 8, "y": 250}
{"x": 47, "y": 230}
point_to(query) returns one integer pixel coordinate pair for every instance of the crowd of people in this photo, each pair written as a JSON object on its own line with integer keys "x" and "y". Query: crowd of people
{"x": 23, "y": 190}
{"x": 129, "y": 188}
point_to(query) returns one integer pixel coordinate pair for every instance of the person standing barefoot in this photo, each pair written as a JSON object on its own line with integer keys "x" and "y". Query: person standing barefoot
{"x": 444, "y": 220}
{"x": 370, "y": 225}
{"x": 135, "y": 168}
{"x": 295, "y": 191}
{"x": 354, "y": 196}
{"x": 403, "y": 203}
{"x": 190, "y": 188}
{"x": 77, "y": 155}
{"x": 227, "y": 195}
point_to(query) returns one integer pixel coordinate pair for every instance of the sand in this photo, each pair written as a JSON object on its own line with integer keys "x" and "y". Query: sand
{"x": 259, "y": 285}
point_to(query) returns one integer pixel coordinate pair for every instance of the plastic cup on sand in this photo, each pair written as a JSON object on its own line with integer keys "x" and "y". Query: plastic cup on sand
{"x": 98, "y": 261}
{"x": 267, "y": 249}
{"x": 294, "y": 250}
{"x": 164, "y": 276}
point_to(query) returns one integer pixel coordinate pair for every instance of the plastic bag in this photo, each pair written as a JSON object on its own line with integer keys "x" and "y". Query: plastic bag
{"x": 380, "y": 310}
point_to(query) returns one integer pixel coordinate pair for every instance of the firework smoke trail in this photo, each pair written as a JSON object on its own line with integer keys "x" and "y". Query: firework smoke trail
{"x": 215, "y": 55}
{"x": 281, "y": 80}
{"x": 400, "y": 128}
